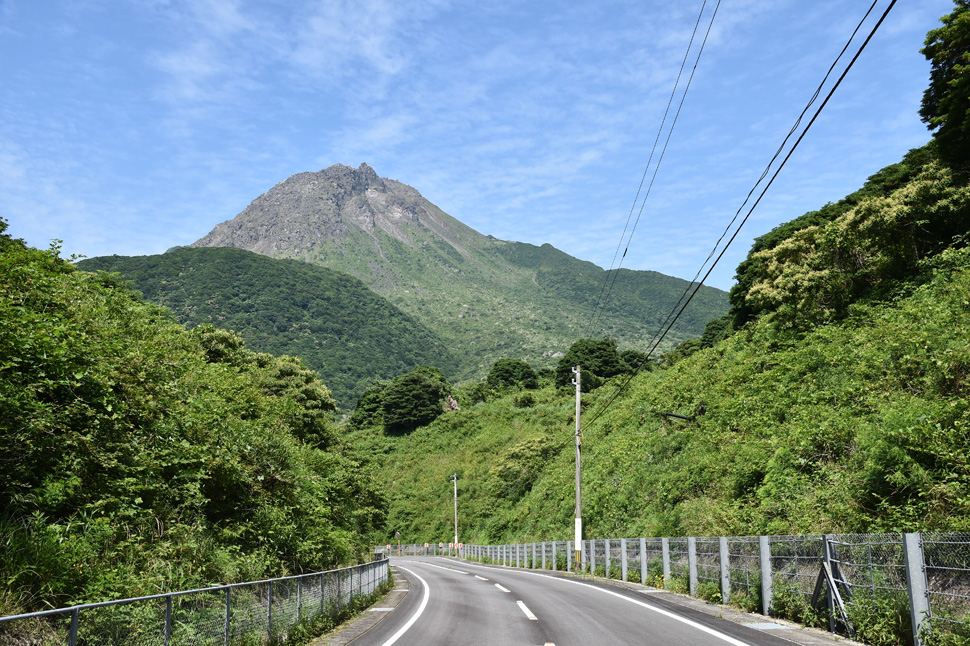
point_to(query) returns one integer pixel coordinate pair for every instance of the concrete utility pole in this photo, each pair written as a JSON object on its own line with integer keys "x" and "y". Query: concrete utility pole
{"x": 454, "y": 478}
{"x": 579, "y": 494}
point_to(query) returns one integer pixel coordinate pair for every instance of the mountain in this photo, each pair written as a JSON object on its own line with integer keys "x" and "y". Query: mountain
{"x": 487, "y": 298}
{"x": 341, "y": 329}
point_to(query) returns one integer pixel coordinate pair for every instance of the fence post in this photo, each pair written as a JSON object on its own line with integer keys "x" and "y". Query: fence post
{"x": 916, "y": 587}
{"x": 569, "y": 556}
{"x": 643, "y": 564}
{"x": 827, "y": 559}
{"x": 665, "y": 552}
{"x": 764, "y": 550}
{"x": 692, "y": 564}
{"x": 554, "y": 565}
{"x": 606, "y": 557}
{"x": 592, "y": 556}
{"x": 228, "y": 611}
{"x": 168, "y": 619}
{"x": 624, "y": 564}
{"x": 543, "y": 555}
{"x": 323, "y": 592}
{"x": 583, "y": 555}
{"x": 269, "y": 613}
{"x": 299, "y": 600}
{"x": 533, "y": 556}
{"x": 75, "y": 618}
{"x": 724, "y": 557}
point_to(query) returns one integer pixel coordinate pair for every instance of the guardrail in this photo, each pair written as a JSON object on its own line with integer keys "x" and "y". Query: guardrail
{"x": 256, "y": 612}
{"x": 841, "y": 581}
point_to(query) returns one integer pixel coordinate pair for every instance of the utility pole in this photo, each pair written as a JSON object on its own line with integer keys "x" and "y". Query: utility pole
{"x": 579, "y": 493}
{"x": 454, "y": 478}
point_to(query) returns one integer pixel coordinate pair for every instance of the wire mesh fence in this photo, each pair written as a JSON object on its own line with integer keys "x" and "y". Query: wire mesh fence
{"x": 260, "y": 612}
{"x": 921, "y": 580}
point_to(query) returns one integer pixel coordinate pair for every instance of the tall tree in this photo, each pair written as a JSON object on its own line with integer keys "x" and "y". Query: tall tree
{"x": 946, "y": 102}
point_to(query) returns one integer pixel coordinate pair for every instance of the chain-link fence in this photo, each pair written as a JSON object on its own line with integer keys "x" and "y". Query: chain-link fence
{"x": 259, "y": 612}
{"x": 918, "y": 583}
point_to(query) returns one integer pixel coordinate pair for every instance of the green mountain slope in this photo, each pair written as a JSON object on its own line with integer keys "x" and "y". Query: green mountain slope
{"x": 486, "y": 298}
{"x": 341, "y": 329}
{"x": 842, "y": 405}
{"x": 860, "y": 425}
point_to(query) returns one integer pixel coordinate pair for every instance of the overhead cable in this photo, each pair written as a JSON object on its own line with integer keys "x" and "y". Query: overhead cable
{"x": 694, "y": 287}
{"x": 607, "y": 282}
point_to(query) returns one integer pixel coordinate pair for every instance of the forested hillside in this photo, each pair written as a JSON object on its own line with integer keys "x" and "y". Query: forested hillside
{"x": 835, "y": 398}
{"x": 820, "y": 415}
{"x": 139, "y": 457}
{"x": 338, "y": 327}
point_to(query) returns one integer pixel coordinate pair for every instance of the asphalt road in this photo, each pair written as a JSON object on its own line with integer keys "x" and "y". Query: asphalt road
{"x": 456, "y": 603}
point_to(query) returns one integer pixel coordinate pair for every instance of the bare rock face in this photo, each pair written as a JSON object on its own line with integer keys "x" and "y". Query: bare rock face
{"x": 323, "y": 208}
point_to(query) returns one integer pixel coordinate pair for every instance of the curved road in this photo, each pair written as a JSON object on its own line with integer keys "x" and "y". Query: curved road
{"x": 457, "y": 603}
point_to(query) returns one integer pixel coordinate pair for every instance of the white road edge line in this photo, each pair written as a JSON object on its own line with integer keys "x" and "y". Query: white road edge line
{"x": 501, "y": 588}
{"x": 417, "y": 613}
{"x": 528, "y": 613}
{"x": 671, "y": 615}
{"x": 449, "y": 569}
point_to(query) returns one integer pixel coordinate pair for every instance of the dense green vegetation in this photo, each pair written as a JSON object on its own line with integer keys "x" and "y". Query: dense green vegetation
{"x": 860, "y": 425}
{"x": 337, "y": 326}
{"x": 139, "y": 457}
{"x": 516, "y": 300}
{"x": 834, "y": 398}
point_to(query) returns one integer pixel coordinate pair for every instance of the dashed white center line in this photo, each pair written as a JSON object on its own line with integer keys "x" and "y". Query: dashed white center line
{"x": 501, "y": 588}
{"x": 528, "y": 613}
{"x": 480, "y": 578}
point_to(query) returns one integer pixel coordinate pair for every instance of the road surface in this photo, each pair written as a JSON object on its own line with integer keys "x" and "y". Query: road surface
{"x": 457, "y": 603}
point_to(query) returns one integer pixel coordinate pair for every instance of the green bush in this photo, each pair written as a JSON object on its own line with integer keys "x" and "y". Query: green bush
{"x": 710, "y": 592}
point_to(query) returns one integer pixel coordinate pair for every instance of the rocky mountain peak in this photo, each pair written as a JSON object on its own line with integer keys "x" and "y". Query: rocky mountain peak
{"x": 329, "y": 208}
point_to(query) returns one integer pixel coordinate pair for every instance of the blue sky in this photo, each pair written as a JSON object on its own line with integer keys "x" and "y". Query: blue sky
{"x": 129, "y": 127}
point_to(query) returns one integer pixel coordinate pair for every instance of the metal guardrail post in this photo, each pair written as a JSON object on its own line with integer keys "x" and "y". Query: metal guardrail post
{"x": 764, "y": 551}
{"x": 168, "y": 620}
{"x": 916, "y": 586}
{"x": 692, "y": 564}
{"x": 643, "y": 563}
{"x": 72, "y": 636}
{"x": 269, "y": 613}
{"x": 724, "y": 559}
{"x": 665, "y": 552}
{"x": 624, "y": 565}
{"x": 228, "y": 613}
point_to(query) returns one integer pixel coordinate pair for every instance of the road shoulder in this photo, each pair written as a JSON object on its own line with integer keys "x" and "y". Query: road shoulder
{"x": 350, "y": 630}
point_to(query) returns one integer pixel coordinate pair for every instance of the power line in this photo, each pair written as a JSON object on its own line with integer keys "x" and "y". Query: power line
{"x": 601, "y": 301}
{"x": 695, "y": 287}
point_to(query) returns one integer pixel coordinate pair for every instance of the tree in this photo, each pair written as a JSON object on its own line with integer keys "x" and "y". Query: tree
{"x": 598, "y": 358}
{"x": 946, "y": 102}
{"x": 414, "y": 399}
{"x": 512, "y": 373}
